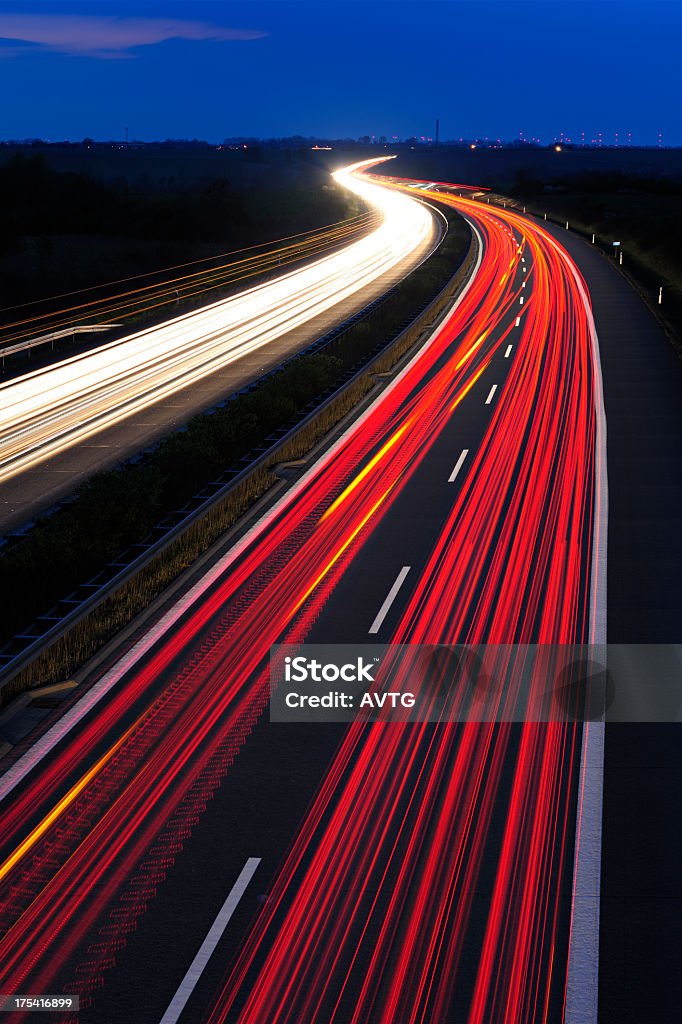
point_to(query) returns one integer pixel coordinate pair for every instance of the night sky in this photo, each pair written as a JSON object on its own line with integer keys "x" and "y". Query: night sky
{"x": 212, "y": 69}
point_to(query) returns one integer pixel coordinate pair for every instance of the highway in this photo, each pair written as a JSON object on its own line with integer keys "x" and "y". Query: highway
{"x": 641, "y": 927}
{"x": 155, "y": 292}
{"x": 62, "y": 422}
{"x": 382, "y": 872}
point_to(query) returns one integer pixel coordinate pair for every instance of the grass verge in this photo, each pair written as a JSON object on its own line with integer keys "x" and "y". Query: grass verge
{"x": 82, "y": 532}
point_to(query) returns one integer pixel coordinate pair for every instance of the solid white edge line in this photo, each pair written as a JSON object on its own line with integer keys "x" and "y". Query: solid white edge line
{"x": 207, "y": 948}
{"x": 458, "y": 466}
{"x": 508, "y": 352}
{"x": 490, "y": 394}
{"x": 17, "y": 772}
{"x": 390, "y": 598}
{"x": 582, "y": 975}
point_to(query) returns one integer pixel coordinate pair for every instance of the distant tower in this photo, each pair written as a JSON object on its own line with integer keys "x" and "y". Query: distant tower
{"x": 437, "y": 130}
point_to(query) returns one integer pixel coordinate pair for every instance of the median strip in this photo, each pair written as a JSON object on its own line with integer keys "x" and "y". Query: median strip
{"x": 111, "y": 606}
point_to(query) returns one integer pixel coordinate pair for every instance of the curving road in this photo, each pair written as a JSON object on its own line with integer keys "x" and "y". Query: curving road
{"x": 406, "y": 873}
{"x": 62, "y": 421}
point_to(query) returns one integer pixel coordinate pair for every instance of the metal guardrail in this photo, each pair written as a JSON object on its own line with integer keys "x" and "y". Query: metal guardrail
{"x": 176, "y": 290}
{"x": 45, "y": 339}
{"x": 19, "y": 652}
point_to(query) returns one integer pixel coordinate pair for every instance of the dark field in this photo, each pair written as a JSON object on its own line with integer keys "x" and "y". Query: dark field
{"x": 73, "y": 218}
{"x": 181, "y": 165}
{"x": 501, "y": 168}
{"x": 77, "y": 539}
{"x": 627, "y": 195}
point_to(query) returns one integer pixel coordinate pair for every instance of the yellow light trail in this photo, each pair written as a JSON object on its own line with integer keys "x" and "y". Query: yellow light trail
{"x": 147, "y": 297}
{"x": 344, "y": 547}
{"x": 477, "y": 344}
{"x": 62, "y": 805}
{"x": 368, "y": 469}
{"x": 469, "y": 386}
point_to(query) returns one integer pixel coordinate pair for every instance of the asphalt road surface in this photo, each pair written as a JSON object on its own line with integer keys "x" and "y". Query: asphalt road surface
{"x": 641, "y": 923}
{"x": 379, "y": 872}
{"x": 63, "y": 422}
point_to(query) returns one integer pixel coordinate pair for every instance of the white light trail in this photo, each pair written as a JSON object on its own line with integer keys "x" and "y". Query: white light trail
{"x": 45, "y": 412}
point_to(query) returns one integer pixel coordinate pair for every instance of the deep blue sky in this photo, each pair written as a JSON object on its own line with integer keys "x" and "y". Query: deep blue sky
{"x": 345, "y": 68}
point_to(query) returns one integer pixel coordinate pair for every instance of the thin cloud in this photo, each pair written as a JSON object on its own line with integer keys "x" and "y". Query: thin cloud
{"x": 105, "y": 37}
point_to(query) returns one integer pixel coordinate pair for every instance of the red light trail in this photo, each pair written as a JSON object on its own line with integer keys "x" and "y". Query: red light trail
{"x": 429, "y": 869}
